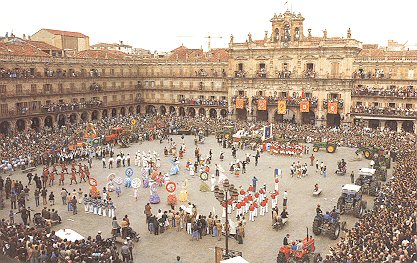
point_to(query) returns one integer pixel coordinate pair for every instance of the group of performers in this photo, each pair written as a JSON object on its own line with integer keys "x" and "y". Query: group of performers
{"x": 286, "y": 149}
{"x": 99, "y": 206}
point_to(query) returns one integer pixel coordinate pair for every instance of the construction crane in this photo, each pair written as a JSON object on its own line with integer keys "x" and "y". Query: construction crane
{"x": 209, "y": 37}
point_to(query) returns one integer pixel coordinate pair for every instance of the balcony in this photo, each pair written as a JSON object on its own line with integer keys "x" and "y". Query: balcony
{"x": 340, "y": 103}
{"x": 68, "y": 107}
{"x": 240, "y": 74}
{"x": 290, "y": 101}
{"x": 398, "y": 92}
{"x": 203, "y": 102}
{"x": 384, "y": 112}
{"x": 261, "y": 73}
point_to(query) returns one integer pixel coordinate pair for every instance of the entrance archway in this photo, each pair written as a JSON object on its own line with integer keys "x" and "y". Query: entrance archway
{"x": 20, "y": 125}
{"x": 123, "y": 111}
{"x": 278, "y": 117}
{"x": 73, "y": 118}
{"x": 392, "y": 125}
{"x": 213, "y": 113}
{"x": 289, "y": 116}
{"x": 172, "y": 110}
{"x": 61, "y": 120}
{"x": 262, "y": 115}
{"x": 113, "y": 113}
{"x": 4, "y": 127}
{"x": 202, "y": 112}
{"x": 35, "y": 123}
{"x": 308, "y": 117}
{"x": 333, "y": 120}
{"x": 150, "y": 109}
{"x": 373, "y": 124}
{"x": 182, "y": 112}
{"x": 242, "y": 114}
{"x": 408, "y": 126}
{"x": 94, "y": 115}
{"x": 223, "y": 113}
{"x": 138, "y": 109}
{"x": 131, "y": 110}
{"x": 48, "y": 122}
{"x": 191, "y": 112}
{"x": 163, "y": 110}
{"x": 104, "y": 114}
{"x": 84, "y": 116}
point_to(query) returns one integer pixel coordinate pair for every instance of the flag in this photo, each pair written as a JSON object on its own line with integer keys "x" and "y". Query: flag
{"x": 240, "y": 103}
{"x": 303, "y": 94}
{"x": 332, "y": 107}
{"x": 304, "y": 106}
{"x": 282, "y": 107}
{"x": 262, "y": 104}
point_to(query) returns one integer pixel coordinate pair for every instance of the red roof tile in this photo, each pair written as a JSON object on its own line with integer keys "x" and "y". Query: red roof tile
{"x": 65, "y": 33}
{"x": 21, "y": 49}
{"x": 185, "y": 54}
{"x": 42, "y": 45}
{"x": 102, "y": 54}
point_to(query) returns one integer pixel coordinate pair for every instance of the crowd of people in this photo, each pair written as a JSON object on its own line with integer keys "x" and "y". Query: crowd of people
{"x": 390, "y": 91}
{"x": 386, "y": 233}
{"x": 61, "y": 107}
{"x": 383, "y": 110}
{"x": 205, "y": 102}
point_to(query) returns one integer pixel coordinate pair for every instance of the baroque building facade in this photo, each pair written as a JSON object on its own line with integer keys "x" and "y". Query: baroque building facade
{"x": 287, "y": 76}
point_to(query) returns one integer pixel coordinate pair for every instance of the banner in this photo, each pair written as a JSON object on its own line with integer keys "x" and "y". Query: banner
{"x": 304, "y": 106}
{"x": 332, "y": 107}
{"x": 240, "y": 103}
{"x": 262, "y": 104}
{"x": 282, "y": 107}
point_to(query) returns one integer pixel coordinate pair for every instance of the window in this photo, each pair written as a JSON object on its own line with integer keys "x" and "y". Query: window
{"x": 47, "y": 88}
{"x": 359, "y": 103}
{"x": 391, "y": 105}
{"x": 4, "y": 109}
{"x": 121, "y": 72}
{"x": 408, "y": 106}
{"x": 201, "y": 97}
{"x": 240, "y": 66}
{"x": 308, "y": 95}
{"x": 212, "y": 97}
{"x": 122, "y": 85}
{"x": 376, "y": 104}
{"x": 33, "y": 88}
{"x": 2, "y": 89}
{"x": 262, "y": 66}
{"x": 310, "y": 67}
{"x": 241, "y": 93}
{"x": 103, "y": 72}
{"x": 201, "y": 85}
{"x": 212, "y": 85}
{"x": 112, "y": 72}
{"x": 333, "y": 96}
{"x": 113, "y": 85}
{"x": 411, "y": 73}
{"x": 223, "y": 97}
{"x": 334, "y": 69}
{"x": 60, "y": 88}
{"x": 285, "y": 67}
{"x": 19, "y": 89}
{"x": 114, "y": 97}
{"x": 259, "y": 93}
{"x": 283, "y": 94}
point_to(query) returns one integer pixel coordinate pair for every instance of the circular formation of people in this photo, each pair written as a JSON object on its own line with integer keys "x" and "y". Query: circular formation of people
{"x": 55, "y": 161}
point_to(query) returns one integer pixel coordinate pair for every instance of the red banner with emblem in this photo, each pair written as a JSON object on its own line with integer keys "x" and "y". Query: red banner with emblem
{"x": 332, "y": 108}
{"x": 282, "y": 107}
{"x": 262, "y": 104}
{"x": 304, "y": 106}
{"x": 240, "y": 103}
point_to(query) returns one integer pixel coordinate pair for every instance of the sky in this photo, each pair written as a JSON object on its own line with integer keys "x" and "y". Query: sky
{"x": 158, "y": 24}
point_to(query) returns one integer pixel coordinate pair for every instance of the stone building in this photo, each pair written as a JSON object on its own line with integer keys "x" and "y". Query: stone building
{"x": 64, "y": 40}
{"x": 289, "y": 75}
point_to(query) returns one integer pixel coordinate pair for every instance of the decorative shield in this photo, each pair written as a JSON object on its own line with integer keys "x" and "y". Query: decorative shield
{"x": 136, "y": 183}
{"x": 204, "y": 176}
{"x": 111, "y": 177}
{"x": 129, "y": 172}
{"x": 92, "y": 182}
{"x": 118, "y": 180}
{"x": 171, "y": 187}
{"x": 133, "y": 122}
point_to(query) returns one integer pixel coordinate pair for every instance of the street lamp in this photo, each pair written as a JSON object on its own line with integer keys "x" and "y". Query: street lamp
{"x": 224, "y": 195}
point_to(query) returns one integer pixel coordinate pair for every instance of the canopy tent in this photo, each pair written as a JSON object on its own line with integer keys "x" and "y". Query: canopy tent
{"x": 237, "y": 259}
{"x": 69, "y": 235}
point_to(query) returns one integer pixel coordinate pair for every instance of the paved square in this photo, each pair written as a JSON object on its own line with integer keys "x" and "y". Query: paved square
{"x": 261, "y": 243}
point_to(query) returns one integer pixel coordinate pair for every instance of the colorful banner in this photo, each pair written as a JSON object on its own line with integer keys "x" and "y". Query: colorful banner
{"x": 282, "y": 107}
{"x": 332, "y": 107}
{"x": 304, "y": 106}
{"x": 262, "y": 104}
{"x": 240, "y": 103}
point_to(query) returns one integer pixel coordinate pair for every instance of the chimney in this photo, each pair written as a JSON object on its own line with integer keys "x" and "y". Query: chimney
{"x": 121, "y": 42}
{"x": 24, "y": 37}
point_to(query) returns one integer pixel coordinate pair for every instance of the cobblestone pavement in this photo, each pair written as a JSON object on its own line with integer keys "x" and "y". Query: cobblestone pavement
{"x": 261, "y": 243}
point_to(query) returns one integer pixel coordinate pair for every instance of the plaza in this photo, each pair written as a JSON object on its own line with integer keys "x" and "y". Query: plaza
{"x": 261, "y": 243}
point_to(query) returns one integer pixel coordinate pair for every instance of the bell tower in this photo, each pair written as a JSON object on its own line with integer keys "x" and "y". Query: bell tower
{"x": 287, "y": 27}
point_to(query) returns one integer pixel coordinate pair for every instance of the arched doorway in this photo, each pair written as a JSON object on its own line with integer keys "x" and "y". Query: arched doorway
{"x": 94, "y": 115}
{"x": 20, "y": 125}
{"x": 73, "y": 118}
{"x": 123, "y": 111}
{"x": 262, "y": 115}
{"x": 61, "y": 120}
{"x": 408, "y": 126}
{"x": 113, "y": 113}
{"x": 289, "y": 116}
{"x": 4, "y": 127}
{"x": 223, "y": 113}
{"x": 35, "y": 123}
{"x": 84, "y": 116}
{"x": 172, "y": 110}
{"x": 278, "y": 117}
{"x": 392, "y": 125}
{"x": 150, "y": 109}
{"x": 48, "y": 122}
{"x": 308, "y": 117}
{"x": 213, "y": 113}
{"x": 373, "y": 124}
{"x": 131, "y": 110}
{"x": 191, "y": 112}
{"x": 182, "y": 112}
{"x": 104, "y": 114}
{"x": 202, "y": 112}
{"x": 163, "y": 110}
{"x": 333, "y": 120}
{"x": 242, "y": 114}
{"x": 138, "y": 109}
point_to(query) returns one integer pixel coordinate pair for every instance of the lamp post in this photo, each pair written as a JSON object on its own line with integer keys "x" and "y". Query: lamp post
{"x": 224, "y": 195}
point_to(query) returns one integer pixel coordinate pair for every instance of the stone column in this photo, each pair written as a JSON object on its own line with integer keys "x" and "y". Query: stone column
{"x": 399, "y": 126}
{"x": 382, "y": 124}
